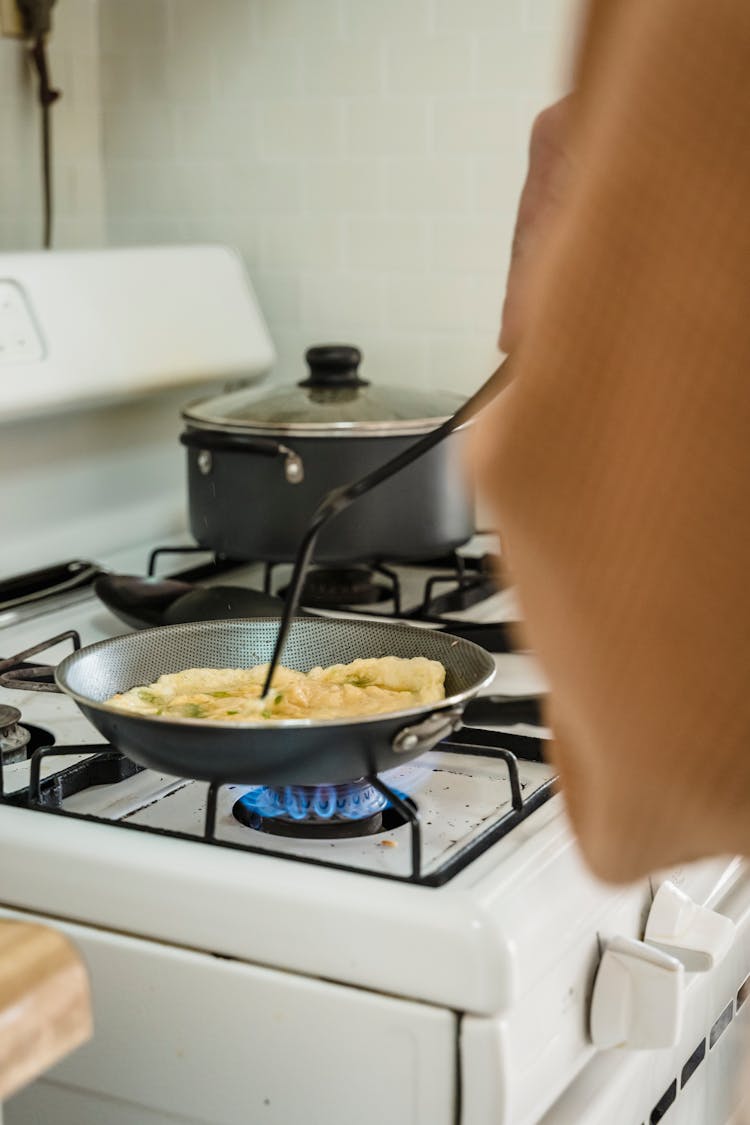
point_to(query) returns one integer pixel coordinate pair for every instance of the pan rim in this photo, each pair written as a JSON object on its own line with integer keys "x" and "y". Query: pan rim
{"x": 272, "y": 724}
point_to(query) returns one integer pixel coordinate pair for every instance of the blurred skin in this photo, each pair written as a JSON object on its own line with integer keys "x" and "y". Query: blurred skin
{"x": 617, "y": 464}
{"x": 542, "y": 195}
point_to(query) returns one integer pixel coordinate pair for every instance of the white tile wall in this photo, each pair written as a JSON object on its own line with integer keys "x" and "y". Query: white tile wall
{"x": 365, "y": 157}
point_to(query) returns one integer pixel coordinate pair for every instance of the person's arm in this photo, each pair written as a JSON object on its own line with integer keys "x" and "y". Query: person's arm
{"x": 618, "y": 464}
{"x": 542, "y": 196}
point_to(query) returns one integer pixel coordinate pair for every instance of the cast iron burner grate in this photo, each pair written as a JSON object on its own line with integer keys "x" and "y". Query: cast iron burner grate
{"x": 453, "y": 582}
{"x": 338, "y": 587}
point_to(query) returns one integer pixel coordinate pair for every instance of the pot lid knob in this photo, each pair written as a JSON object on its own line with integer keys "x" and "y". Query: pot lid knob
{"x": 333, "y": 365}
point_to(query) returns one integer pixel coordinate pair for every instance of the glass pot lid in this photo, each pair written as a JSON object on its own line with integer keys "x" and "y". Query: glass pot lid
{"x": 333, "y": 400}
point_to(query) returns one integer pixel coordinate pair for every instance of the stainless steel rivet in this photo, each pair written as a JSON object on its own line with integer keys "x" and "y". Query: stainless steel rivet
{"x": 205, "y": 462}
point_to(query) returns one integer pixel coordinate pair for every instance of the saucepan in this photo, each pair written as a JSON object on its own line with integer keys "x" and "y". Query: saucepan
{"x": 259, "y": 466}
{"x": 285, "y": 752}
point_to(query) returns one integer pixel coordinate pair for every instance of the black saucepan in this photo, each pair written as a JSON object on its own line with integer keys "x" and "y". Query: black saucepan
{"x": 258, "y": 467}
{"x": 280, "y": 753}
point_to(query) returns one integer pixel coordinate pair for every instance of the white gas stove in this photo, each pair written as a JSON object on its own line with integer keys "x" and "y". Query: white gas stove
{"x": 445, "y": 959}
{"x": 252, "y": 975}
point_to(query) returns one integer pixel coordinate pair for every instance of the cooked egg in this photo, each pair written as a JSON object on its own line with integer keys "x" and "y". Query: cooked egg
{"x": 363, "y": 687}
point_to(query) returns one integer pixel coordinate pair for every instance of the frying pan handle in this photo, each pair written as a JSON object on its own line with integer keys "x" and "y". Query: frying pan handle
{"x": 208, "y": 442}
{"x": 13, "y": 673}
{"x": 420, "y": 737}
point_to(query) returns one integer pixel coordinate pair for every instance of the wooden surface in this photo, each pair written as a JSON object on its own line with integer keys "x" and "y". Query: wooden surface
{"x": 45, "y": 1005}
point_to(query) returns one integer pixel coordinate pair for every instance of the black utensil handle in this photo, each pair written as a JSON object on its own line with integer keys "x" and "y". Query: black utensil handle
{"x": 14, "y": 674}
{"x": 340, "y": 498}
{"x": 504, "y": 710}
{"x": 215, "y": 441}
{"x": 46, "y": 582}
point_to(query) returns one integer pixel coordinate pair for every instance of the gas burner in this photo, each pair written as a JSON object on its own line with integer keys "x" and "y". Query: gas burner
{"x": 14, "y": 739}
{"x": 355, "y": 808}
{"x": 334, "y": 587}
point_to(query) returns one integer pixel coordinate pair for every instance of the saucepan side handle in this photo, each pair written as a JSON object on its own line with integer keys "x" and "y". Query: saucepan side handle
{"x": 14, "y": 673}
{"x": 422, "y": 736}
{"x": 208, "y": 442}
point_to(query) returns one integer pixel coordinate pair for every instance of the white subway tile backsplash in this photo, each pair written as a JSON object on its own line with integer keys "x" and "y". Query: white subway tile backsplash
{"x": 280, "y": 295}
{"x": 341, "y": 187}
{"x": 473, "y": 127}
{"x": 300, "y": 19}
{"x": 76, "y": 130}
{"x": 126, "y": 188}
{"x": 298, "y": 128}
{"x": 496, "y": 185}
{"x": 297, "y": 244}
{"x": 75, "y": 26}
{"x": 478, "y": 15}
{"x": 146, "y": 134}
{"x": 337, "y": 304}
{"x": 427, "y": 185}
{"x": 386, "y": 127}
{"x": 351, "y": 69}
{"x": 244, "y": 187}
{"x": 13, "y": 74}
{"x": 468, "y": 245}
{"x": 463, "y": 362}
{"x": 387, "y": 18}
{"x": 252, "y": 68}
{"x": 395, "y": 359}
{"x": 207, "y": 132}
{"x": 427, "y": 303}
{"x": 135, "y": 23}
{"x": 430, "y": 64}
{"x": 190, "y": 74}
{"x": 389, "y": 244}
{"x": 501, "y": 65}
{"x": 134, "y": 77}
{"x": 210, "y": 25}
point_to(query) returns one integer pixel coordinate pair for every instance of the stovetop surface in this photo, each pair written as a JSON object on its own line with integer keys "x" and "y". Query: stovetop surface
{"x": 459, "y": 797}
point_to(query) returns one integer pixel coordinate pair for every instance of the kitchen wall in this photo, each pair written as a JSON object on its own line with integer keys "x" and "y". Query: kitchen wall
{"x": 365, "y": 157}
{"x": 78, "y": 178}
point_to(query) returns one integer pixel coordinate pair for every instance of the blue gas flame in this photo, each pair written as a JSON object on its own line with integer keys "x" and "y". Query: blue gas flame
{"x": 353, "y": 800}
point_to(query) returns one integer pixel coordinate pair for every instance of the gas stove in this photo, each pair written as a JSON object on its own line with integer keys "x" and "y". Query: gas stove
{"x": 438, "y": 926}
{"x": 422, "y": 823}
{"x": 422, "y": 948}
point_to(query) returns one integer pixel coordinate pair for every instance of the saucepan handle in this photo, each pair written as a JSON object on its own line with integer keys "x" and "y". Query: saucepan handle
{"x": 208, "y": 442}
{"x": 422, "y": 736}
{"x": 16, "y": 674}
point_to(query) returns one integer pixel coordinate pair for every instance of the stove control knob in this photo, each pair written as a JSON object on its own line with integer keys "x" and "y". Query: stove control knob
{"x": 638, "y": 997}
{"x": 695, "y": 935}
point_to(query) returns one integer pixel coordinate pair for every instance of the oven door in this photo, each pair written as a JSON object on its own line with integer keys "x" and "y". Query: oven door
{"x": 184, "y": 1038}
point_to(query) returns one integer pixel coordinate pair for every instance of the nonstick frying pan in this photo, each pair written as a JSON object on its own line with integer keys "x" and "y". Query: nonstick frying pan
{"x": 288, "y": 752}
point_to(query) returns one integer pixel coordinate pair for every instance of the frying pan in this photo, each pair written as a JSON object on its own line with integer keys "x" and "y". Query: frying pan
{"x": 286, "y": 752}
